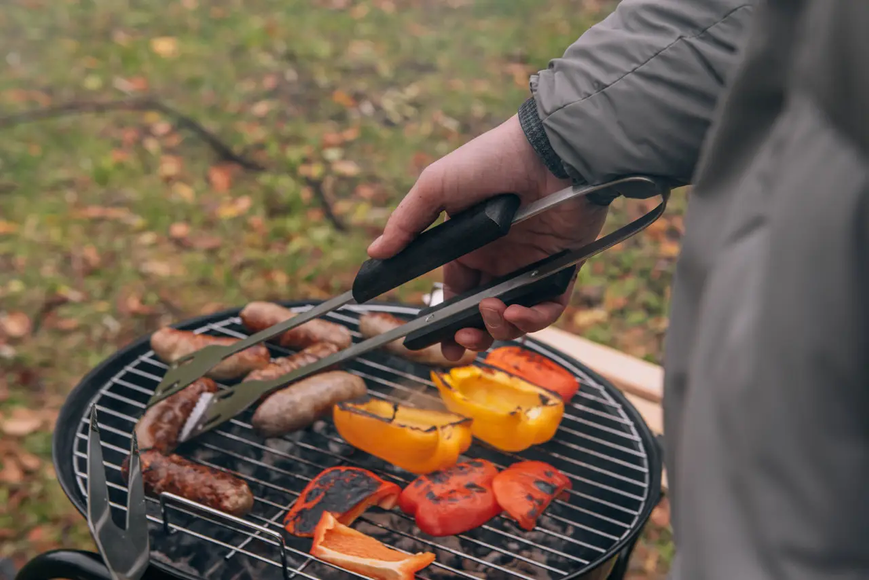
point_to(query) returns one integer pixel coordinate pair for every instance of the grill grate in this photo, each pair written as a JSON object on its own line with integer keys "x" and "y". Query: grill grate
{"x": 597, "y": 446}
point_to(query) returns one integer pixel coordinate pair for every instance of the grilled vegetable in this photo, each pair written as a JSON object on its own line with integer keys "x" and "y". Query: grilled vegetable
{"x": 258, "y": 316}
{"x": 508, "y": 413}
{"x": 300, "y": 404}
{"x": 374, "y": 323}
{"x": 526, "y": 489}
{"x": 417, "y": 440}
{"x": 171, "y": 345}
{"x": 287, "y": 364}
{"x": 346, "y": 492}
{"x": 452, "y": 501}
{"x": 161, "y": 425}
{"x": 352, "y": 550}
{"x": 535, "y": 368}
{"x": 199, "y": 483}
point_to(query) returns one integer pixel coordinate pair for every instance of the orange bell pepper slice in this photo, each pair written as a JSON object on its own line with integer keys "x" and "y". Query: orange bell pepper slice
{"x": 345, "y": 491}
{"x": 535, "y": 368}
{"x": 526, "y": 489}
{"x": 352, "y": 550}
{"x": 508, "y": 412}
{"x": 417, "y": 440}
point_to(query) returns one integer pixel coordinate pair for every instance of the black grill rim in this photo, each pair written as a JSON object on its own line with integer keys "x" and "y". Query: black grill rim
{"x": 80, "y": 396}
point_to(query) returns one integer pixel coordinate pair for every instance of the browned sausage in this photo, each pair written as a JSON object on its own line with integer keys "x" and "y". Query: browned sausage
{"x": 171, "y": 344}
{"x": 374, "y": 323}
{"x": 257, "y": 316}
{"x": 286, "y": 364}
{"x": 300, "y": 404}
{"x": 199, "y": 483}
{"x": 161, "y": 425}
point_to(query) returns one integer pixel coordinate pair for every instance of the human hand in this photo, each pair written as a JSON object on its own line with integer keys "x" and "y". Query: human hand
{"x": 498, "y": 161}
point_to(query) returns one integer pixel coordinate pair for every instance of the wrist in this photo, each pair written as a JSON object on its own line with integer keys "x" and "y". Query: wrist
{"x": 534, "y": 132}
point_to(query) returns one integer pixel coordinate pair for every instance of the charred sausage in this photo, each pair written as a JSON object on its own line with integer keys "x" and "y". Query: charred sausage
{"x": 284, "y": 365}
{"x": 374, "y": 323}
{"x": 300, "y": 404}
{"x": 171, "y": 344}
{"x": 161, "y": 425}
{"x": 199, "y": 483}
{"x": 257, "y": 316}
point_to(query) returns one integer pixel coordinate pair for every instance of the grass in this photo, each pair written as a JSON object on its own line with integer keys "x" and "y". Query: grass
{"x": 112, "y": 224}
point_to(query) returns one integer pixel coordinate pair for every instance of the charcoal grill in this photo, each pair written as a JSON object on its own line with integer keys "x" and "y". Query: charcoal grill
{"x": 602, "y": 445}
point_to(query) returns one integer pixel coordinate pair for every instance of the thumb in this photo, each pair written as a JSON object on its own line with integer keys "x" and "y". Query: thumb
{"x": 419, "y": 208}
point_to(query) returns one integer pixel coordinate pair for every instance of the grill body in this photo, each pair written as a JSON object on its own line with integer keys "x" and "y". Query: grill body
{"x": 602, "y": 445}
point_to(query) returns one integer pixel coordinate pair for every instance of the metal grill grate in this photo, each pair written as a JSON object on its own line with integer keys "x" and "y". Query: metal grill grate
{"x": 597, "y": 446}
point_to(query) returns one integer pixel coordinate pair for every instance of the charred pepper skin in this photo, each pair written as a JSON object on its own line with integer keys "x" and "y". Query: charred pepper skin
{"x": 454, "y": 500}
{"x": 345, "y": 492}
{"x": 526, "y": 489}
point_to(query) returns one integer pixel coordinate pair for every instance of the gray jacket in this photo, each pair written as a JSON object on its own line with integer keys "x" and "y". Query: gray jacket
{"x": 763, "y": 110}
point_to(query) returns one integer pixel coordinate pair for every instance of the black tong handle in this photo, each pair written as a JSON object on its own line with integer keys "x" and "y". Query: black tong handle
{"x": 555, "y": 273}
{"x": 463, "y": 233}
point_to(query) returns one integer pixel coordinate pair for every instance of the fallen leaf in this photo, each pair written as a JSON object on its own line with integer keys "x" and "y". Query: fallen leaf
{"x": 157, "y": 268}
{"x": 261, "y": 108}
{"x": 11, "y": 472}
{"x": 151, "y": 145}
{"x": 91, "y": 257}
{"x": 343, "y": 99}
{"x": 170, "y": 166}
{"x": 346, "y": 168}
{"x": 65, "y": 324}
{"x": 332, "y": 154}
{"x": 131, "y": 303}
{"x": 131, "y": 85}
{"x": 189, "y": 4}
{"x": 161, "y": 128}
{"x": 351, "y": 134}
{"x": 7, "y": 227}
{"x": 586, "y": 318}
{"x": 270, "y": 82}
{"x": 669, "y": 249}
{"x": 220, "y": 177}
{"x": 165, "y": 46}
{"x": 257, "y": 224}
{"x": 15, "y": 324}
{"x": 234, "y": 207}
{"x": 332, "y": 139}
{"x": 205, "y": 242}
{"x": 23, "y": 421}
{"x": 179, "y": 230}
{"x": 28, "y": 461}
{"x": 183, "y": 191}
{"x": 36, "y": 534}
{"x": 661, "y": 514}
{"x": 119, "y": 156}
{"x": 311, "y": 170}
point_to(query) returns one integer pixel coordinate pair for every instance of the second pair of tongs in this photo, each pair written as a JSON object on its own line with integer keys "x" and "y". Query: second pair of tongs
{"x": 460, "y": 235}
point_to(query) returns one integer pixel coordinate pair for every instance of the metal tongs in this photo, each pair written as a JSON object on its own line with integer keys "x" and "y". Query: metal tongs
{"x": 461, "y": 234}
{"x": 126, "y": 552}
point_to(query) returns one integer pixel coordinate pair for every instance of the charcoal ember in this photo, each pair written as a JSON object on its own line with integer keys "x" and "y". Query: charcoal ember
{"x": 513, "y": 546}
{"x": 447, "y": 557}
{"x": 181, "y": 564}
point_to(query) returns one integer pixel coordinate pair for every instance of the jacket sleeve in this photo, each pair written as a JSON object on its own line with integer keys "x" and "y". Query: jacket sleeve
{"x": 637, "y": 92}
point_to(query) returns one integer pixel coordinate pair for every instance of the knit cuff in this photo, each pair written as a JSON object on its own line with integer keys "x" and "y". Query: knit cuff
{"x": 536, "y": 135}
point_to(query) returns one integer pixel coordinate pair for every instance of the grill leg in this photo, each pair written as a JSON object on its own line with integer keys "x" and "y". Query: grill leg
{"x": 621, "y": 568}
{"x": 74, "y": 565}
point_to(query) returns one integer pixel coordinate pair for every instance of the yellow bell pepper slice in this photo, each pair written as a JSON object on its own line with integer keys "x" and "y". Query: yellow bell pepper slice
{"x": 417, "y": 440}
{"x": 509, "y": 413}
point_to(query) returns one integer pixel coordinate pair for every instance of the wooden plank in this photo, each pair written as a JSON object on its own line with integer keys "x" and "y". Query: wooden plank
{"x": 641, "y": 382}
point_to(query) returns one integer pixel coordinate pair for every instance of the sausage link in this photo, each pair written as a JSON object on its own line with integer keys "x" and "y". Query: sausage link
{"x": 374, "y": 323}
{"x": 258, "y": 316}
{"x": 170, "y": 345}
{"x": 161, "y": 425}
{"x": 287, "y": 364}
{"x": 300, "y": 404}
{"x": 199, "y": 483}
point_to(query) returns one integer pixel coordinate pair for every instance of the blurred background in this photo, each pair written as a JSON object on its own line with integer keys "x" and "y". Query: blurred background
{"x": 161, "y": 160}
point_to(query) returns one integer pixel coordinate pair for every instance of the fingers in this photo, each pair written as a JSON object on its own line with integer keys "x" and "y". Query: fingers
{"x": 452, "y": 350}
{"x": 459, "y": 278}
{"x": 419, "y": 208}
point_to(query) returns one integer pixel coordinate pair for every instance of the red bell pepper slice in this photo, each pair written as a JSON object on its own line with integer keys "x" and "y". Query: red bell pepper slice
{"x": 535, "y": 368}
{"x": 525, "y": 489}
{"x": 346, "y": 492}
{"x": 452, "y": 500}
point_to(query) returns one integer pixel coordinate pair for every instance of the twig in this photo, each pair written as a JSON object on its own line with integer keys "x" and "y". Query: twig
{"x": 181, "y": 120}
{"x": 133, "y": 104}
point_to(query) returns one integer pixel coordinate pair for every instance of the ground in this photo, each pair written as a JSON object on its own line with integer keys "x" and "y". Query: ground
{"x": 206, "y": 153}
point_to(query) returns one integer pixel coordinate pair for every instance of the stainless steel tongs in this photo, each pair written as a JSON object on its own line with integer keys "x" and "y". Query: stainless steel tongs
{"x": 126, "y": 552}
{"x": 461, "y": 234}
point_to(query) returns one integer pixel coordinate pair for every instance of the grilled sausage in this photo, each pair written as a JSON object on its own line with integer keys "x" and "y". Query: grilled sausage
{"x": 171, "y": 344}
{"x": 284, "y": 365}
{"x": 199, "y": 483}
{"x": 161, "y": 425}
{"x": 374, "y": 323}
{"x": 300, "y": 404}
{"x": 257, "y": 316}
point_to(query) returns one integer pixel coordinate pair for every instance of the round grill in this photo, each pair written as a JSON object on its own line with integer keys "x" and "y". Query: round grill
{"x": 602, "y": 445}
